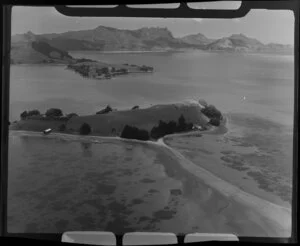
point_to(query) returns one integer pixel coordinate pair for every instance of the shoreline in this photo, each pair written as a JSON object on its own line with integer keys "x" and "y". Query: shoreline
{"x": 277, "y": 214}
{"x": 91, "y": 137}
{"x": 280, "y": 215}
{"x": 231, "y": 190}
{"x": 125, "y": 51}
{"x": 275, "y": 53}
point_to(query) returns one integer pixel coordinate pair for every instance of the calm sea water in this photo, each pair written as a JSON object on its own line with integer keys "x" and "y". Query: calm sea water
{"x": 254, "y": 91}
{"x": 222, "y": 79}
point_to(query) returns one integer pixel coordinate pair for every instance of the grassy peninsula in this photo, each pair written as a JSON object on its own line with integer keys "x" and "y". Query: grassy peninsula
{"x": 100, "y": 70}
{"x": 142, "y": 124}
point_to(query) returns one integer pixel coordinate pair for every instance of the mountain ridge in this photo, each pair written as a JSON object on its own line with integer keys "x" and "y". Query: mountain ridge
{"x": 104, "y": 38}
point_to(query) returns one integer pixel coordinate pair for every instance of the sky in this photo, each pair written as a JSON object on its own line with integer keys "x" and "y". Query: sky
{"x": 267, "y": 26}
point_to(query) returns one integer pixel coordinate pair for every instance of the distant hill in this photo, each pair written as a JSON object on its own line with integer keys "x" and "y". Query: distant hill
{"x": 197, "y": 39}
{"x": 236, "y": 42}
{"x": 273, "y": 47}
{"x": 30, "y": 48}
{"x": 53, "y": 47}
{"x": 112, "y": 39}
{"x": 240, "y": 42}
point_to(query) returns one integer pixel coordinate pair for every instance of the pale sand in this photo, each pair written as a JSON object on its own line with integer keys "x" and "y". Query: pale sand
{"x": 279, "y": 216}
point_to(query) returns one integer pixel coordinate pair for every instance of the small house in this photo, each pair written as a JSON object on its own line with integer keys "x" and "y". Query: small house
{"x": 47, "y": 131}
{"x": 197, "y": 127}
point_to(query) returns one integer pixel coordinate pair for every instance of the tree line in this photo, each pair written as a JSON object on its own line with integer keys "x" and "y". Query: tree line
{"x": 163, "y": 128}
{"x": 213, "y": 114}
{"x": 50, "y": 114}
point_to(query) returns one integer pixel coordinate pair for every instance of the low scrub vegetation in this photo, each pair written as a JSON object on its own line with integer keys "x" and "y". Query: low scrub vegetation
{"x": 131, "y": 132}
{"x": 62, "y": 128}
{"x": 54, "y": 112}
{"x": 71, "y": 115}
{"x": 163, "y": 128}
{"x": 135, "y": 107}
{"x": 50, "y": 115}
{"x": 24, "y": 115}
{"x": 171, "y": 127}
{"x": 213, "y": 114}
{"x": 105, "y": 111}
{"x": 85, "y": 129}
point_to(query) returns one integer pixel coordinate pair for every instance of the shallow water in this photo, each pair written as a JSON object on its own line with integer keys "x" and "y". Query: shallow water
{"x": 116, "y": 186}
{"x": 221, "y": 79}
{"x": 84, "y": 185}
{"x": 254, "y": 154}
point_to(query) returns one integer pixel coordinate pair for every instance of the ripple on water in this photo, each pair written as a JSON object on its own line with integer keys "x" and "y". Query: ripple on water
{"x": 137, "y": 201}
{"x": 146, "y": 180}
{"x": 175, "y": 192}
{"x": 164, "y": 214}
{"x": 105, "y": 188}
{"x": 152, "y": 191}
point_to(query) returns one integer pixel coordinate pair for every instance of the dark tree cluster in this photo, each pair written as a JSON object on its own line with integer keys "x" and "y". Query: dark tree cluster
{"x": 171, "y": 127}
{"x": 135, "y": 107}
{"x": 50, "y": 114}
{"x": 71, "y": 115}
{"x": 54, "y": 113}
{"x": 82, "y": 69}
{"x": 62, "y": 128}
{"x": 104, "y": 70}
{"x": 213, "y": 114}
{"x": 122, "y": 70}
{"x": 85, "y": 129}
{"x": 131, "y": 132}
{"x": 84, "y": 60}
{"x": 214, "y": 122}
{"x": 27, "y": 114}
{"x": 105, "y": 111}
{"x": 146, "y": 68}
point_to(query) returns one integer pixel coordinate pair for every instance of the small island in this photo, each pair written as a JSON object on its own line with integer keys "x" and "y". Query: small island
{"x": 99, "y": 70}
{"x": 29, "y": 49}
{"x": 141, "y": 124}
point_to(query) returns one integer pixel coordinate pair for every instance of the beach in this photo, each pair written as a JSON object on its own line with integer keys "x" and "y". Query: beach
{"x": 155, "y": 186}
{"x": 236, "y": 181}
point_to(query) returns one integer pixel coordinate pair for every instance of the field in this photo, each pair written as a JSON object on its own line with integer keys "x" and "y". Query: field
{"x": 103, "y": 124}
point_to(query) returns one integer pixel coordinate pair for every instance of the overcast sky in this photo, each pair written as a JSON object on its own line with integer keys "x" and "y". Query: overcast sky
{"x": 265, "y": 25}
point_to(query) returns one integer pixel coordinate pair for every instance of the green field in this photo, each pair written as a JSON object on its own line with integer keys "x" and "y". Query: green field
{"x": 103, "y": 124}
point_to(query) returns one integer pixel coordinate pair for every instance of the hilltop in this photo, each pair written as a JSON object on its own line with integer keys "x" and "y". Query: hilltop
{"x": 28, "y": 48}
{"x": 104, "y": 38}
{"x": 54, "y": 47}
{"x": 197, "y": 39}
{"x": 112, "y": 122}
{"x": 235, "y": 43}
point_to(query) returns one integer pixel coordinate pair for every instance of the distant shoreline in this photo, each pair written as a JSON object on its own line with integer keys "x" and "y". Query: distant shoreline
{"x": 137, "y": 51}
{"x": 269, "y": 211}
{"x": 279, "y": 53}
